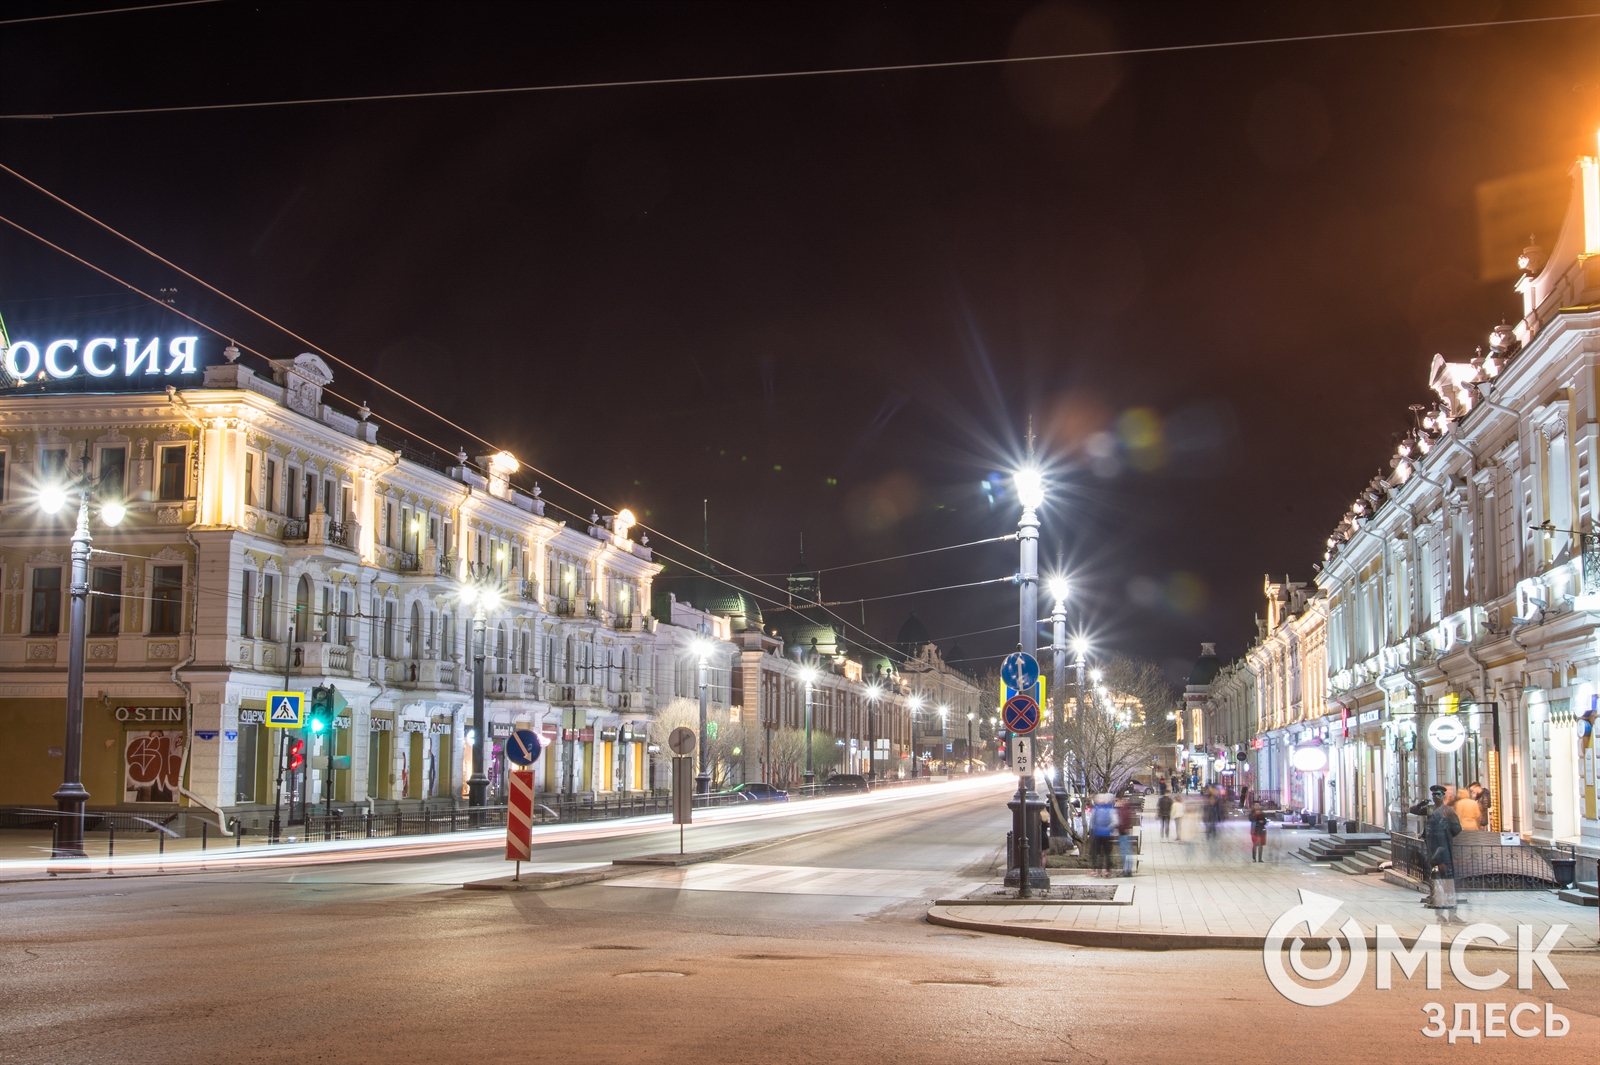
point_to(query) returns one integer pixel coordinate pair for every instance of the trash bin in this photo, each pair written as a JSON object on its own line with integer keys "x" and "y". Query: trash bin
{"x": 1352, "y": 827}
{"x": 1565, "y": 869}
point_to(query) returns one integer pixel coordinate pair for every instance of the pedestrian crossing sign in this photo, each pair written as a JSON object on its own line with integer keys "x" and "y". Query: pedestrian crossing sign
{"x": 286, "y": 710}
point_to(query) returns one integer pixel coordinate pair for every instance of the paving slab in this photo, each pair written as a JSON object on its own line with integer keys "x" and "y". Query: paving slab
{"x": 1206, "y": 893}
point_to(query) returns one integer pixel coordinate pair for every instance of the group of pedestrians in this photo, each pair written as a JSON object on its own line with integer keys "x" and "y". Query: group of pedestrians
{"x": 1111, "y": 822}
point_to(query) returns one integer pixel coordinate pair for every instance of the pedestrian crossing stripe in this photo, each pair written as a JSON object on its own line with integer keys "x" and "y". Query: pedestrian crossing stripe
{"x": 286, "y": 710}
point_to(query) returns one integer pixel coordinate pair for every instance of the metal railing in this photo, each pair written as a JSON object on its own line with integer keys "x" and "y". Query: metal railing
{"x": 296, "y": 529}
{"x": 528, "y": 590}
{"x": 338, "y": 534}
{"x": 406, "y": 562}
{"x": 1482, "y": 865}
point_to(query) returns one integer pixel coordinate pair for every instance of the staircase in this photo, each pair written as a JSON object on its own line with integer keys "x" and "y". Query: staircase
{"x": 1368, "y": 860}
{"x": 1583, "y": 893}
{"x": 1336, "y": 848}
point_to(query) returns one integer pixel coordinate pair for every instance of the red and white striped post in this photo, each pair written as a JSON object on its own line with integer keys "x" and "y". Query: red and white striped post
{"x": 519, "y": 819}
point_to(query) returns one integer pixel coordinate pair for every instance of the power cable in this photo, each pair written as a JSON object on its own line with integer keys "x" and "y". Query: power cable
{"x": 103, "y": 11}
{"x": 188, "y": 317}
{"x": 902, "y": 595}
{"x": 885, "y": 68}
{"x": 893, "y": 558}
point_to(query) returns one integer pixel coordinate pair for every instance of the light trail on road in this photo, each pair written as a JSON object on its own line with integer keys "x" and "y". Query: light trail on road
{"x": 266, "y": 856}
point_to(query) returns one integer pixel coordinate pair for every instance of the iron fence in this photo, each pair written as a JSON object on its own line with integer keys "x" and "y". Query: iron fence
{"x": 1487, "y": 865}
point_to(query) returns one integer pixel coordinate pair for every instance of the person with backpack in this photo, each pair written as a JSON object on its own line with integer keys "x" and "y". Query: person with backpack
{"x": 1102, "y": 826}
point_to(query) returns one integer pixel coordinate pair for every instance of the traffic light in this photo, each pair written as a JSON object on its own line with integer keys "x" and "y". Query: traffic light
{"x": 321, "y": 717}
{"x": 297, "y": 754}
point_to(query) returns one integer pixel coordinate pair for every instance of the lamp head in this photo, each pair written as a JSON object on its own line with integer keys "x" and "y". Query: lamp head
{"x": 1058, "y": 589}
{"x": 52, "y": 498}
{"x": 1029, "y": 483}
{"x": 1080, "y": 645}
{"x": 113, "y": 512}
{"x": 468, "y": 594}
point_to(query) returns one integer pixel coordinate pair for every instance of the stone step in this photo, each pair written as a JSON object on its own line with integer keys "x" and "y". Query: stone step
{"x": 1578, "y": 898}
{"x": 1590, "y": 887}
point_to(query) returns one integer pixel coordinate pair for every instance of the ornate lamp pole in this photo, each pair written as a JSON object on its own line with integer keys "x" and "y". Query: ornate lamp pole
{"x": 1030, "y": 493}
{"x": 808, "y": 675}
{"x": 915, "y": 703}
{"x": 72, "y": 795}
{"x": 482, "y": 593}
{"x": 874, "y": 693}
{"x": 702, "y": 780}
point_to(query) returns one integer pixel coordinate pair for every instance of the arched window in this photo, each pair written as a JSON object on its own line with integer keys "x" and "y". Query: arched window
{"x": 302, "y": 609}
{"x": 414, "y": 637}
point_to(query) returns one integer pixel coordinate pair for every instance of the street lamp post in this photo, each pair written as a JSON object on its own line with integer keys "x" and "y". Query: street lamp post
{"x": 1025, "y": 806}
{"x": 873, "y": 694}
{"x": 72, "y": 795}
{"x": 944, "y": 739}
{"x": 915, "y": 704}
{"x": 969, "y": 742}
{"x": 809, "y": 675}
{"x": 482, "y": 594}
{"x": 702, "y": 780}
{"x": 1058, "y": 677}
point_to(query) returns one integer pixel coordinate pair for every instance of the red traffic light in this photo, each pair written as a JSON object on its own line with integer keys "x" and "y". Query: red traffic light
{"x": 297, "y": 754}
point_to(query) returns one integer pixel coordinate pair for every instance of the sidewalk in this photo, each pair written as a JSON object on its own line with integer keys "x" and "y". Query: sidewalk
{"x": 1199, "y": 895}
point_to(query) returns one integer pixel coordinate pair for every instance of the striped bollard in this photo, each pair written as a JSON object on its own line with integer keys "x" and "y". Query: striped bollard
{"x": 519, "y": 819}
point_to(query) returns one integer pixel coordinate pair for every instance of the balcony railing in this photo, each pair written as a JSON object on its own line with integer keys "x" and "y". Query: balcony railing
{"x": 528, "y": 590}
{"x": 1591, "y": 563}
{"x": 566, "y": 607}
{"x": 295, "y": 529}
{"x": 339, "y": 534}
{"x": 406, "y": 562}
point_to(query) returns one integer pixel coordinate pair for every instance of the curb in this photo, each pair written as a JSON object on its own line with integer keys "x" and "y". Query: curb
{"x": 542, "y": 881}
{"x": 1155, "y": 941}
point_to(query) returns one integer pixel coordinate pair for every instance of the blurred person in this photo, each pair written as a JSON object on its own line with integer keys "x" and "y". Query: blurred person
{"x": 1438, "y": 843}
{"x": 1102, "y": 826}
{"x": 1164, "y": 811}
{"x": 1468, "y": 812}
{"x": 1484, "y": 798}
{"x": 1125, "y": 821}
{"x": 1258, "y": 832}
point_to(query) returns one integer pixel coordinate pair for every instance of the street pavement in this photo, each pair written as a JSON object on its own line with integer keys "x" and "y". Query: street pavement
{"x": 769, "y": 955}
{"x": 1208, "y": 891}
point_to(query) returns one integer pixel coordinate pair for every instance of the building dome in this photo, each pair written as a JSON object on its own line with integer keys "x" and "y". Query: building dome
{"x": 913, "y": 635}
{"x": 735, "y": 604}
{"x": 1206, "y": 666}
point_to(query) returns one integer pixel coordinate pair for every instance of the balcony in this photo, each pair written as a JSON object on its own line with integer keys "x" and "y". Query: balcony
{"x": 564, "y": 607}
{"x": 528, "y": 590}
{"x": 295, "y": 529}
{"x": 319, "y": 659}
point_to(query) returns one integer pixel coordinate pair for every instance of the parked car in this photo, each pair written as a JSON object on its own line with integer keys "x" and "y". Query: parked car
{"x": 847, "y": 782}
{"x": 757, "y": 791}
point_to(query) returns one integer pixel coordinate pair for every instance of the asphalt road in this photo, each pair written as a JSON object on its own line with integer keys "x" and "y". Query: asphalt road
{"x": 810, "y": 950}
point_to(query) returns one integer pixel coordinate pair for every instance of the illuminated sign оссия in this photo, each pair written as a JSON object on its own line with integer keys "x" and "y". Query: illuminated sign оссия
{"x": 100, "y": 357}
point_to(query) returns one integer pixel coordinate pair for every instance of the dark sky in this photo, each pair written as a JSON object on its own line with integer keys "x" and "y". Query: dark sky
{"x": 829, "y": 305}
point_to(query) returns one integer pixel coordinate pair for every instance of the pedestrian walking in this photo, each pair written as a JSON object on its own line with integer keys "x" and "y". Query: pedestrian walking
{"x": 1258, "y": 832}
{"x": 1125, "y": 823}
{"x": 1484, "y": 798}
{"x": 1468, "y": 812}
{"x": 1164, "y": 811}
{"x": 1102, "y": 826}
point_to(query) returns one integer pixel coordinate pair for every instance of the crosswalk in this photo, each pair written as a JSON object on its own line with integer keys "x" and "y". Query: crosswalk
{"x": 788, "y": 880}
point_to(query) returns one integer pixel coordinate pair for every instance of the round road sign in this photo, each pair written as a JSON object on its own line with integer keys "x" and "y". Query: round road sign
{"x": 681, "y": 741}
{"x": 1021, "y": 714}
{"x": 1020, "y": 670}
{"x": 522, "y": 746}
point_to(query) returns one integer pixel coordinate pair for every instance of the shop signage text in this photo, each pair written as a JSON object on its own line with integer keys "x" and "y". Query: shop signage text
{"x": 61, "y": 359}
{"x": 252, "y": 717}
{"x": 147, "y": 714}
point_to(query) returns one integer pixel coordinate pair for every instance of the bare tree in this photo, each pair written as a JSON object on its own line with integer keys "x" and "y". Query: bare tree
{"x": 679, "y": 713}
{"x": 826, "y": 754}
{"x": 1116, "y": 736}
{"x": 722, "y": 751}
{"x": 788, "y": 756}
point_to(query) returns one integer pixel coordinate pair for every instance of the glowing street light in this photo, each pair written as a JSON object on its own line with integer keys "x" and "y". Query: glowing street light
{"x": 702, "y": 780}
{"x": 809, "y": 676}
{"x": 72, "y": 796}
{"x": 482, "y": 593}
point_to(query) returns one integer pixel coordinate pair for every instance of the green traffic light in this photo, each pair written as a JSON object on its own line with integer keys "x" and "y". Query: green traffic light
{"x": 317, "y": 724}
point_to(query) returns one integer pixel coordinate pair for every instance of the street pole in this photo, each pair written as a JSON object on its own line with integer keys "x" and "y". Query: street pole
{"x": 702, "y": 780}
{"x": 872, "y": 740}
{"x": 1083, "y": 702}
{"x": 1058, "y": 677}
{"x": 811, "y": 778}
{"x": 72, "y": 796}
{"x": 944, "y": 739}
{"x": 277, "y": 795}
{"x": 969, "y": 743}
{"x": 478, "y": 783}
{"x": 1025, "y": 807}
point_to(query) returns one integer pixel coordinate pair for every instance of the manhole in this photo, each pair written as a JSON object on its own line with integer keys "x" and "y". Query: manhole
{"x": 648, "y": 973}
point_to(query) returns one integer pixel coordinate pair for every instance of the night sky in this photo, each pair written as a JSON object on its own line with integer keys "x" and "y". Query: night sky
{"x": 828, "y": 306}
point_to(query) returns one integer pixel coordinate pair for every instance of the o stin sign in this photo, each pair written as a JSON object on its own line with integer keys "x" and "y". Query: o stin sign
{"x": 100, "y": 357}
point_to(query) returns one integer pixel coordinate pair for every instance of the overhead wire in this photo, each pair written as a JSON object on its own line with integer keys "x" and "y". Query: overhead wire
{"x": 215, "y": 331}
{"x": 104, "y": 11}
{"x": 896, "y": 558}
{"x": 703, "y": 79}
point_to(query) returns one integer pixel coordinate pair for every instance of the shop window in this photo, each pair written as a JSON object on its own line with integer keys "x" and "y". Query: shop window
{"x": 45, "y": 616}
{"x": 105, "y": 602}
{"x": 166, "y": 601}
{"x": 113, "y": 472}
{"x": 244, "y": 762}
{"x": 173, "y": 481}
